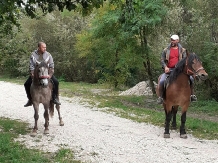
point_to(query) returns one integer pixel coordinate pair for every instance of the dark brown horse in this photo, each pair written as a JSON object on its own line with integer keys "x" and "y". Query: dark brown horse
{"x": 41, "y": 92}
{"x": 178, "y": 90}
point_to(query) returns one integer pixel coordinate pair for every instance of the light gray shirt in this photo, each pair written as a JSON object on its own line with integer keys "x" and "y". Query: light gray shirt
{"x": 37, "y": 57}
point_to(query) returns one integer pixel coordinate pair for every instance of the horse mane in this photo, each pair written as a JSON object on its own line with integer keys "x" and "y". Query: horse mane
{"x": 181, "y": 65}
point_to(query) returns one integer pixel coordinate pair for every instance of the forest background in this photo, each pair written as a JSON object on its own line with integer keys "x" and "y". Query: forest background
{"x": 115, "y": 41}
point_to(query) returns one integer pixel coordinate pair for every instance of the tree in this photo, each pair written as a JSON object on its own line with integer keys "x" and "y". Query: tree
{"x": 58, "y": 30}
{"x": 109, "y": 48}
{"x": 140, "y": 19}
{"x": 10, "y": 10}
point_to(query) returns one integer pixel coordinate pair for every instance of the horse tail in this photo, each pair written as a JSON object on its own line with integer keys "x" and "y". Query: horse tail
{"x": 51, "y": 110}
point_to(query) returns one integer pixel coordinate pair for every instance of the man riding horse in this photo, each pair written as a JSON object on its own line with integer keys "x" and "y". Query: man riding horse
{"x": 169, "y": 58}
{"x": 37, "y": 56}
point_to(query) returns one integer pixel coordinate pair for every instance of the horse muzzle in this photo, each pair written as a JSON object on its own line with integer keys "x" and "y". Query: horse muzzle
{"x": 44, "y": 82}
{"x": 202, "y": 76}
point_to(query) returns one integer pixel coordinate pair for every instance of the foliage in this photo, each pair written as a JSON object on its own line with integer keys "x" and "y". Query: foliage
{"x": 58, "y": 31}
{"x": 9, "y": 15}
{"x": 117, "y": 57}
{"x": 10, "y": 10}
{"x": 120, "y": 42}
{"x": 119, "y": 33}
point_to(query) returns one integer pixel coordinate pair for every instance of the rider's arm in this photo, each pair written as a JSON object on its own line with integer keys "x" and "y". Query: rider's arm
{"x": 163, "y": 59}
{"x": 51, "y": 66}
{"x": 31, "y": 65}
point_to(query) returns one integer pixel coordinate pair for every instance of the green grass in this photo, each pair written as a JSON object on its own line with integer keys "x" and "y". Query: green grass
{"x": 14, "y": 152}
{"x": 207, "y": 107}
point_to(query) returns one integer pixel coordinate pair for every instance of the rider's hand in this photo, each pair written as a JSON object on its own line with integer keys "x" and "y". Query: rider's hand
{"x": 166, "y": 70}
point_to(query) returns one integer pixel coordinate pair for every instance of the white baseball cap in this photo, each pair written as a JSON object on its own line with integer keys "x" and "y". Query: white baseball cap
{"x": 175, "y": 37}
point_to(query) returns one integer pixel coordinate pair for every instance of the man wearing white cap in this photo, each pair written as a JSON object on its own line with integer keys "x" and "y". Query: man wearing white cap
{"x": 169, "y": 58}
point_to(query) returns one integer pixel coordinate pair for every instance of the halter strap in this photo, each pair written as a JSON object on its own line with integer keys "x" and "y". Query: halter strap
{"x": 192, "y": 72}
{"x": 44, "y": 77}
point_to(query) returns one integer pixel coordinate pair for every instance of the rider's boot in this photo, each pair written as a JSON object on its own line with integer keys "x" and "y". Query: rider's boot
{"x": 193, "y": 98}
{"x": 29, "y": 102}
{"x": 160, "y": 98}
{"x": 55, "y": 100}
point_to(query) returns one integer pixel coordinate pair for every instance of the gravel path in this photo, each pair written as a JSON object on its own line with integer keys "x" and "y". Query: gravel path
{"x": 98, "y": 137}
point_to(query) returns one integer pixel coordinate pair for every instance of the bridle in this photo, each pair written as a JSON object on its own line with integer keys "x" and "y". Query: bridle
{"x": 192, "y": 72}
{"x": 44, "y": 77}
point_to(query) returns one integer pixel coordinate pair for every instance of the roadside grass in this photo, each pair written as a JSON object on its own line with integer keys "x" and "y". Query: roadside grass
{"x": 202, "y": 116}
{"x": 12, "y": 151}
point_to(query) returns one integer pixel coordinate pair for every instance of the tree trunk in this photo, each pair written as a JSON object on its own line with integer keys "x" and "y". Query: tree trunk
{"x": 147, "y": 62}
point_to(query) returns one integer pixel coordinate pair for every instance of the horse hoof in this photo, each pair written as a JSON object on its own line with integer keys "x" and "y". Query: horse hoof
{"x": 184, "y": 136}
{"x": 61, "y": 123}
{"x": 46, "y": 132}
{"x": 33, "y": 134}
{"x": 166, "y": 135}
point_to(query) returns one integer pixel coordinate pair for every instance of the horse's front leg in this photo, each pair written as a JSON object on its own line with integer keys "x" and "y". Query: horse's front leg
{"x": 46, "y": 116}
{"x": 36, "y": 117}
{"x": 182, "y": 127}
{"x": 168, "y": 116}
{"x": 174, "y": 112}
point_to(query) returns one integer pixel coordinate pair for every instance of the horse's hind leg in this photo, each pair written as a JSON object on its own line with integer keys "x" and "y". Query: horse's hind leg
{"x": 46, "y": 116}
{"x": 59, "y": 115}
{"x": 182, "y": 127}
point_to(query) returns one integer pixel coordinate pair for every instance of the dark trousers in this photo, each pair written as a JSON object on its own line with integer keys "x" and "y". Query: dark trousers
{"x": 54, "y": 81}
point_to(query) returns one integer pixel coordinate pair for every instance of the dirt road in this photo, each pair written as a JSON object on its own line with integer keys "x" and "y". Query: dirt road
{"x": 98, "y": 137}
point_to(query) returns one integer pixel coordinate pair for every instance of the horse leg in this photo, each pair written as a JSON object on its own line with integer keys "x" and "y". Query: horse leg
{"x": 174, "y": 112}
{"x": 36, "y": 117}
{"x": 51, "y": 109}
{"x": 182, "y": 127}
{"x": 168, "y": 115}
{"x": 46, "y": 116}
{"x": 59, "y": 115}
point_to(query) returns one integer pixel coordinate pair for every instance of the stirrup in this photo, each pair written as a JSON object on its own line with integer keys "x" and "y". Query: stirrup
{"x": 193, "y": 98}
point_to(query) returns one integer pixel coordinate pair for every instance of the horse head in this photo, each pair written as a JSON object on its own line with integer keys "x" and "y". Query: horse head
{"x": 42, "y": 73}
{"x": 194, "y": 67}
